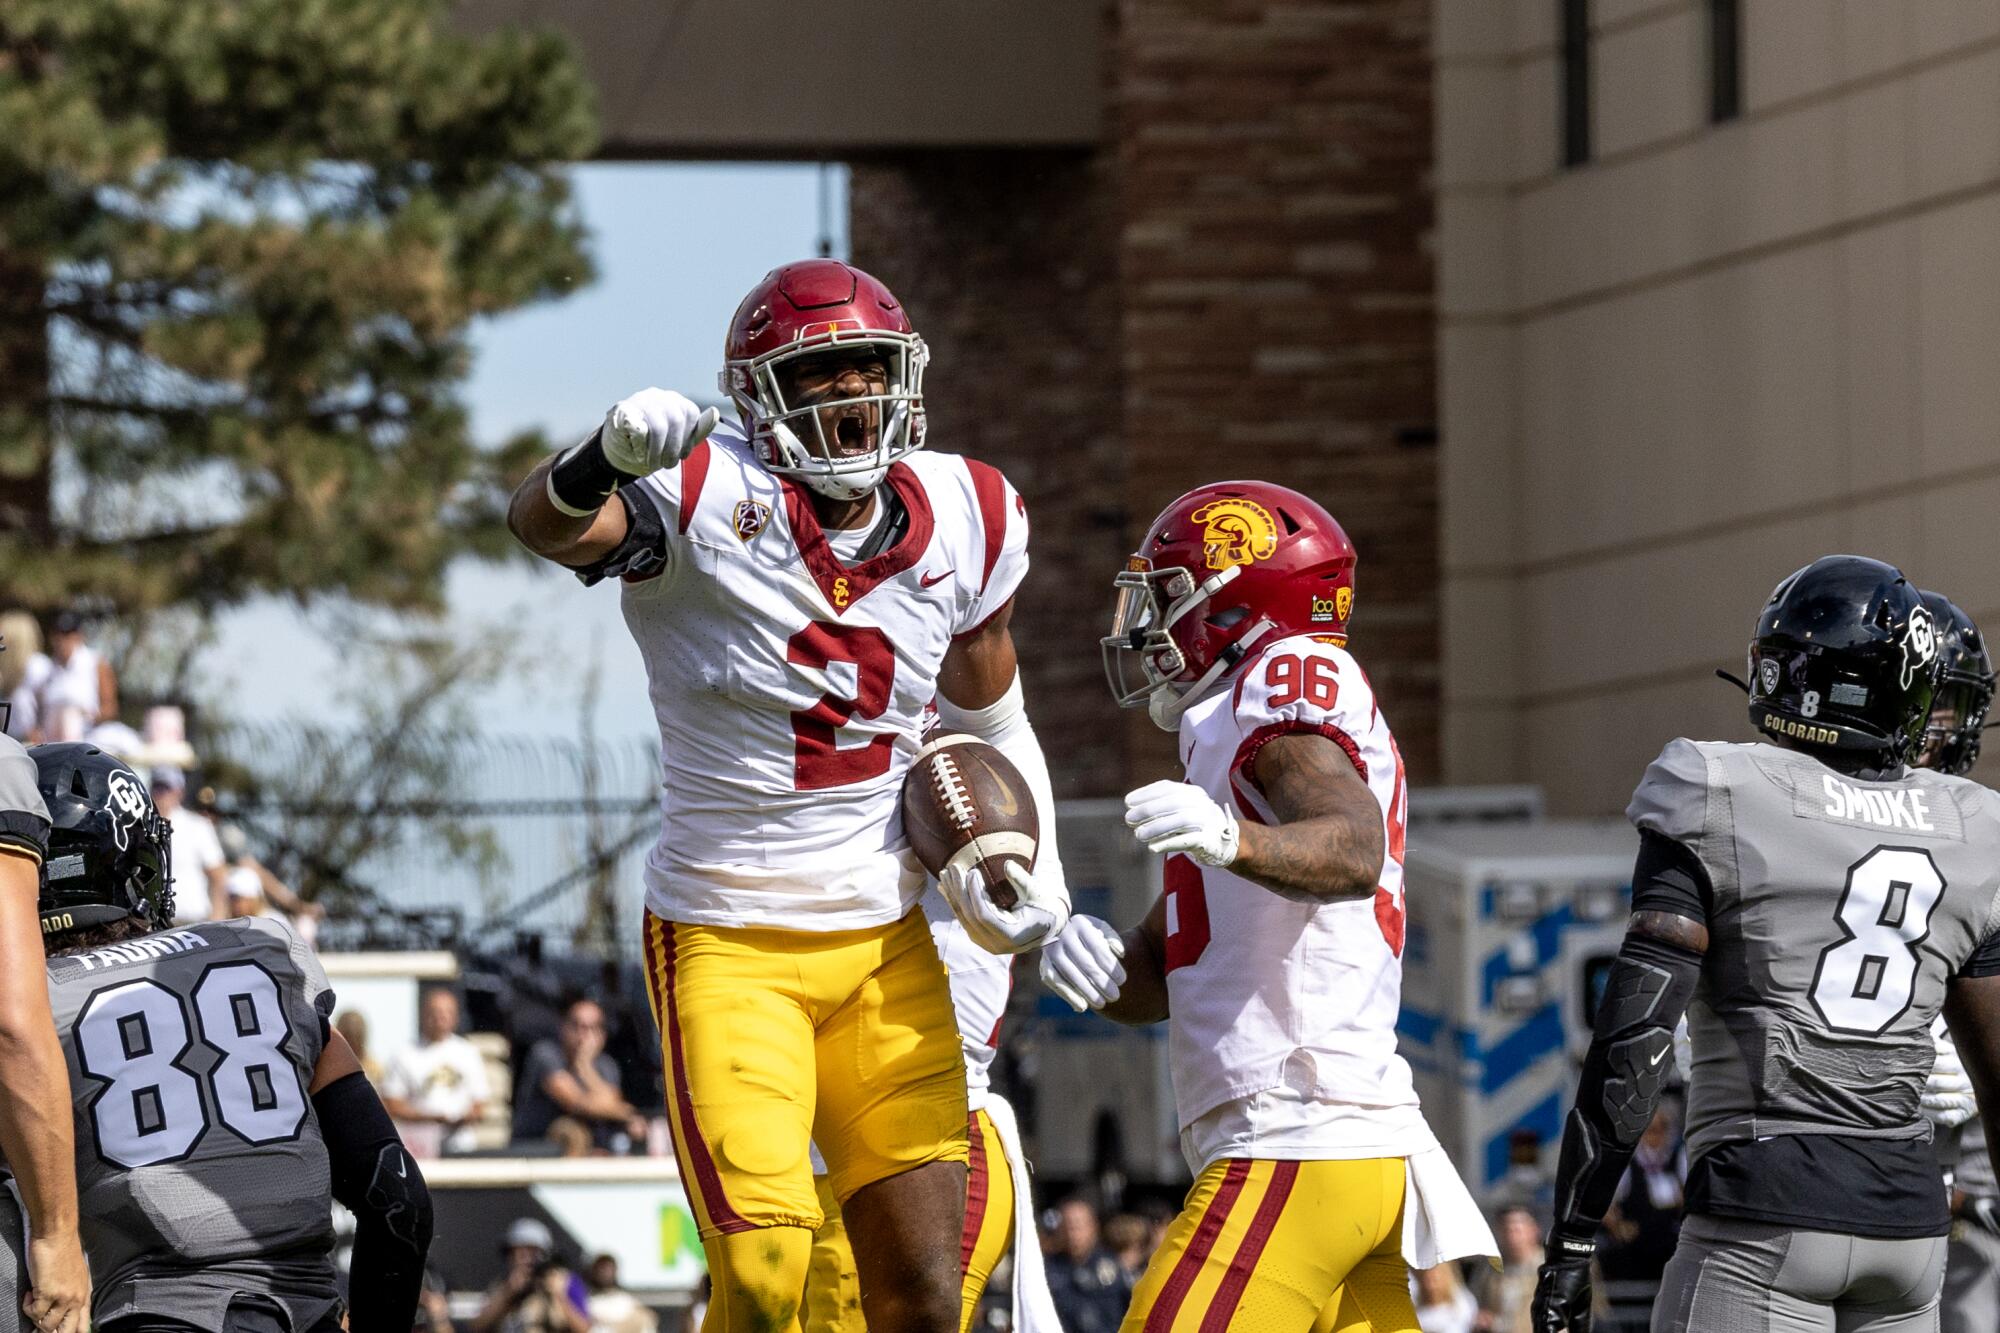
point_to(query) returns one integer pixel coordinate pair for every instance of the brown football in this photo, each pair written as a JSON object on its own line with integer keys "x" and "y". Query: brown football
{"x": 965, "y": 802}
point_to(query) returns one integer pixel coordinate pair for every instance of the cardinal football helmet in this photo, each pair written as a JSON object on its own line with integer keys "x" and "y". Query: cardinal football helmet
{"x": 109, "y": 849}
{"x": 1964, "y": 692}
{"x": 803, "y": 309}
{"x": 1845, "y": 658}
{"x": 1223, "y": 569}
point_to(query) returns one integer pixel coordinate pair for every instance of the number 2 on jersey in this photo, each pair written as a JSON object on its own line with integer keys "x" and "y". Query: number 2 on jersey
{"x": 817, "y": 761}
{"x": 1866, "y": 981}
{"x": 134, "y": 1039}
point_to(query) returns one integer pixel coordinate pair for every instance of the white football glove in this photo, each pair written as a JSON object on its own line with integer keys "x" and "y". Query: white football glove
{"x": 652, "y": 429}
{"x": 1038, "y": 915}
{"x": 1177, "y": 817}
{"x": 1082, "y": 964}
{"x": 1947, "y": 1100}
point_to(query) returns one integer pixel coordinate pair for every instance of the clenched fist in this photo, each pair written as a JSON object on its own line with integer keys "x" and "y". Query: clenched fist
{"x": 654, "y": 429}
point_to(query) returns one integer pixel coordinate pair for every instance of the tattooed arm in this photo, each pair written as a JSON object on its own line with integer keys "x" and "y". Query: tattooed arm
{"x": 1328, "y": 843}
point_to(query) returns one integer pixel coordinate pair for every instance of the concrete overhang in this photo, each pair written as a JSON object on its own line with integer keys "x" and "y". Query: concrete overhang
{"x": 826, "y": 78}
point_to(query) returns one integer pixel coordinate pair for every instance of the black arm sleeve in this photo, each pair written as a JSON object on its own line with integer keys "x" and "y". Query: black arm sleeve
{"x": 1669, "y": 878}
{"x": 644, "y": 550}
{"x": 1647, "y": 992}
{"x": 378, "y": 1182}
{"x": 1985, "y": 960}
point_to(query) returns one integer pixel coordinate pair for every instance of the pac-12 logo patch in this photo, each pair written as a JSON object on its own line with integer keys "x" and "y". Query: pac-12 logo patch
{"x": 750, "y": 518}
{"x": 1236, "y": 532}
{"x": 1767, "y": 675}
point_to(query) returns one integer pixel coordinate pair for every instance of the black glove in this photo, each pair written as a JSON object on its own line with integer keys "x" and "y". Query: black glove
{"x": 1982, "y": 1211}
{"x": 1562, "y": 1291}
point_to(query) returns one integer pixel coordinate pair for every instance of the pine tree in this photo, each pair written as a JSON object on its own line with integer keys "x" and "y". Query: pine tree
{"x": 241, "y": 242}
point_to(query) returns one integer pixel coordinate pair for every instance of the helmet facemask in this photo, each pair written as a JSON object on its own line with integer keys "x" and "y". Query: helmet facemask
{"x": 1143, "y": 662}
{"x": 791, "y": 437}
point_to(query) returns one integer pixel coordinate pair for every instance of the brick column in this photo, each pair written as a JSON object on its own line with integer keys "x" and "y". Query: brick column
{"x": 1238, "y": 283}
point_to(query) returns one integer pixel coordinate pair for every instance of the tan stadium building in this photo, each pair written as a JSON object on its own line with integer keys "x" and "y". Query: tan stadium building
{"x": 1589, "y": 318}
{"x": 1718, "y": 292}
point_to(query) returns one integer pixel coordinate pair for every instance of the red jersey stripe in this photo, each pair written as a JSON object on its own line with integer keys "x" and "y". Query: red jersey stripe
{"x": 694, "y": 474}
{"x": 989, "y": 488}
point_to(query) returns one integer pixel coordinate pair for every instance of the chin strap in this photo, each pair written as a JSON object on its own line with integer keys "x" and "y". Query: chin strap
{"x": 1169, "y": 701}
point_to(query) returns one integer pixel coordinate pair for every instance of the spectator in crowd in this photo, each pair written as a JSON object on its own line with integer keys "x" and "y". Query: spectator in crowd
{"x": 201, "y": 891}
{"x": 612, "y": 1308}
{"x": 353, "y": 1025}
{"x": 536, "y": 1294}
{"x": 697, "y": 1311}
{"x": 1644, "y": 1221}
{"x": 1509, "y": 1294}
{"x": 78, "y": 690}
{"x": 433, "y": 1305}
{"x": 1443, "y": 1303}
{"x": 1128, "y": 1237}
{"x": 566, "y": 1092}
{"x": 21, "y": 663}
{"x": 253, "y": 889}
{"x": 1090, "y": 1288}
{"x": 437, "y": 1089}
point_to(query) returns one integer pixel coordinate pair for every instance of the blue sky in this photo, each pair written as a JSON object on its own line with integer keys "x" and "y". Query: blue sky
{"x": 677, "y": 245}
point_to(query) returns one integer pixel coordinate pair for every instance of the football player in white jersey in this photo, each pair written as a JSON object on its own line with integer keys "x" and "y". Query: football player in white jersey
{"x": 801, "y": 587}
{"x": 1274, "y": 953}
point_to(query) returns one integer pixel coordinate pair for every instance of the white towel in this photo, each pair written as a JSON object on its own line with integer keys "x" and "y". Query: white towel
{"x": 1440, "y": 1220}
{"x": 1034, "y": 1308}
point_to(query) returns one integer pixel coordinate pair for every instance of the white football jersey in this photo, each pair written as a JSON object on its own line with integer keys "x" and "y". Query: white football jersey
{"x": 1271, "y": 994}
{"x": 790, "y": 687}
{"x": 980, "y": 984}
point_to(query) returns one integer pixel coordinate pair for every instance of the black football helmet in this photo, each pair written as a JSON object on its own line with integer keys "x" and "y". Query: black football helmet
{"x": 1964, "y": 692}
{"x": 109, "y": 849}
{"x": 1845, "y": 658}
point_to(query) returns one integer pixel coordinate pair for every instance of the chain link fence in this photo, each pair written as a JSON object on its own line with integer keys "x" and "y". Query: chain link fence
{"x": 433, "y": 839}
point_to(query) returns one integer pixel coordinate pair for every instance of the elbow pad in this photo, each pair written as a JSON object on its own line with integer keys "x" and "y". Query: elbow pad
{"x": 1630, "y": 1057}
{"x": 373, "y": 1177}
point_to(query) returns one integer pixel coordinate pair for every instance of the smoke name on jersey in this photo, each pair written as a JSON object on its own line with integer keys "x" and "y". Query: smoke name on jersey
{"x": 1884, "y": 809}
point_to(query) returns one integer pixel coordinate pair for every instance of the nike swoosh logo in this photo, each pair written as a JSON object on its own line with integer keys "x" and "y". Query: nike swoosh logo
{"x": 931, "y": 580}
{"x": 1659, "y": 1056}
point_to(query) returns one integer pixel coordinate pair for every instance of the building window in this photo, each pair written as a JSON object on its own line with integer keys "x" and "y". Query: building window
{"x": 1725, "y": 60}
{"x": 1575, "y": 81}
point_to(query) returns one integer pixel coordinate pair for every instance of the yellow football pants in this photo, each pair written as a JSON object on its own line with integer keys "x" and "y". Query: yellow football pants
{"x": 833, "y": 1289}
{"x": 774, "y": 1039}
{"x": 1282, "y": 1246}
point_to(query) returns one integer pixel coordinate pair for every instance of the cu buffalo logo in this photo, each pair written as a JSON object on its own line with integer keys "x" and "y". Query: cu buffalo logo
{"x": 1919, "y": 645}
{"x": 129, "y": 804}
{"x": 1236, "y": 532}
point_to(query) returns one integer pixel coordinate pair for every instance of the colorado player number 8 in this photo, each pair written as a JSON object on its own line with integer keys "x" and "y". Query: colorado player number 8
{"x": 135, "y": 1038}
{"x": 1866, "y": 981}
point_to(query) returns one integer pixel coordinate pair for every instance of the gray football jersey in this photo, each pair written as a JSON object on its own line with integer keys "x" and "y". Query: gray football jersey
{"x": 201, "y": 1173}
{"x": 1840, "y": 910}
{"x": 24, "y": 817}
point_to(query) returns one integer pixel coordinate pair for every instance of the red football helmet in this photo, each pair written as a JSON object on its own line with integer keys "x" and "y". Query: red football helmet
{"x": 1224, "y": 568}
{"x": 805, "y": 308}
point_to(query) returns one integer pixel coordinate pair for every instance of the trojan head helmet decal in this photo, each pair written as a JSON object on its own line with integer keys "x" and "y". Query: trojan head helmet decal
{"x": 1236, "y": 532}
